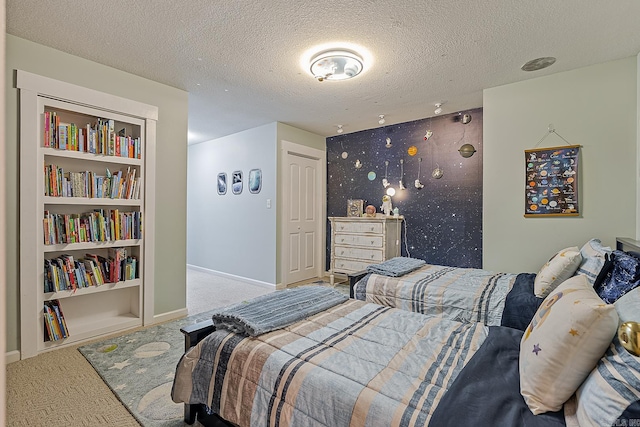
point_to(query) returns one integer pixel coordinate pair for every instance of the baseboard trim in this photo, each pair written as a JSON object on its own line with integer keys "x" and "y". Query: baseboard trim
{"x": 171, "y": 315}
{"x": 12, "y": 356}
{"x": 233, "y": 276}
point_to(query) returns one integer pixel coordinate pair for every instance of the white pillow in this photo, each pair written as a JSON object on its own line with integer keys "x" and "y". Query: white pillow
{"x": 592, "y": 259}
{"x": 558, "y": 269}
{"x": 564, "y": 341}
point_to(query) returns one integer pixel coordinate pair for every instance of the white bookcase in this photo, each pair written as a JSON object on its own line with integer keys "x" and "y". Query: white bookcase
{"x": 91, "y": 311}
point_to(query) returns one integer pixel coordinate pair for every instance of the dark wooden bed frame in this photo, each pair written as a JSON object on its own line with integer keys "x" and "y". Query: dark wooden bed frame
{"x": 194, "y": 333}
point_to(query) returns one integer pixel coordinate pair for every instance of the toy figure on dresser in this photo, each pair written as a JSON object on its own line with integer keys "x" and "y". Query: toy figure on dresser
{"x": 370, "y": 211}
{"x": 386, "y": 207}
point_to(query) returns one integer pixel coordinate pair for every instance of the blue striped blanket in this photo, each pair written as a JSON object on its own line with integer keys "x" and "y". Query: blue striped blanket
{"x": 355, "y": 364}
{"x": 396, "y": 267}
{"x": 464, "y": 294}
{"x": 276, "y": 310}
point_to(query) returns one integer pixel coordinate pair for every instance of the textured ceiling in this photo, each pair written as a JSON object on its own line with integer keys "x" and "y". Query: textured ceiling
{"x": 240, "y": 60}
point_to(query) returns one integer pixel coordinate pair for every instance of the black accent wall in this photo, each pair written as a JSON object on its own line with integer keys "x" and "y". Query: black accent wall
{"x": 444, "y": 218}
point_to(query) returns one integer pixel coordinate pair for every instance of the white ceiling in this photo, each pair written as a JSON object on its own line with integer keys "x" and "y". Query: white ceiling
{"x": 240, "y": 60}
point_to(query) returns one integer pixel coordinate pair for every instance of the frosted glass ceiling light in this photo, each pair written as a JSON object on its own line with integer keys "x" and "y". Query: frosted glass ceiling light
{"x": 381, "y": 121}
{"x": 335, "y": 64}
{"x": 438, "y": 109}
{"x": 340, "y": 130}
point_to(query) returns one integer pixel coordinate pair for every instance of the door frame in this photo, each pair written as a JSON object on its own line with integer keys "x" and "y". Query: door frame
{"x": 320, "y": 156}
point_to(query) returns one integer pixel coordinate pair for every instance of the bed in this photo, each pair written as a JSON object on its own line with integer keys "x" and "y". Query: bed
{"x": 356, "y": 363}
{"x": 465, "y": 294}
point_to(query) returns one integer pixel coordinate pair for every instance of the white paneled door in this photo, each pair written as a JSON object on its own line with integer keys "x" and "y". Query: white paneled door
{"x": 303, "y": 223}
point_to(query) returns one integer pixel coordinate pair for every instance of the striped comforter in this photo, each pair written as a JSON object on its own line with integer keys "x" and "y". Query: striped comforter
{"x": 464, "y": 294}
{"x": 355, "y": 364}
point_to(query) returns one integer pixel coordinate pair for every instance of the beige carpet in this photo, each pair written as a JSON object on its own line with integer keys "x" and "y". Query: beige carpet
{"x": 61, "y": 389}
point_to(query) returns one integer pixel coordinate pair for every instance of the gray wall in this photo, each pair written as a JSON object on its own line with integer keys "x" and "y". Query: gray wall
{"x": 238, "y": 235}
{"x": 171, "y": 163}
{"x": 233, "y": 233}
{"x": 595, "y": 107}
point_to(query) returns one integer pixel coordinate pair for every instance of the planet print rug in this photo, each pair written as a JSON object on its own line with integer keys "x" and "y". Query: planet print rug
{"x": 139, "y": 368}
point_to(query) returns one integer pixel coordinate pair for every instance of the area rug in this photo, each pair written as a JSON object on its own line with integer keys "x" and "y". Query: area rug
{"x": 139, "y": 368}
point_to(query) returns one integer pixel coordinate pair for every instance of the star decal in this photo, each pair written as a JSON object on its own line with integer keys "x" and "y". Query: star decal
{"x": 120, "y": 387}
{"x": 120, "y": 365}
{"x": 536, "y": 349}
{"x": 574, "y": 332}
{"x": 131, "y": 340}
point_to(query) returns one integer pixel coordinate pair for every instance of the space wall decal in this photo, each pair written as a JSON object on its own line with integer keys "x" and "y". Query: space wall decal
{"x": 443, "y": 214}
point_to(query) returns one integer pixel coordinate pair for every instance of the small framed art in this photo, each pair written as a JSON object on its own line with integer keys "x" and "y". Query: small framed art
{"x": 355, "y": 207}
{"x": 236, "y": 184}
{"x": 222, "y": 183}
{"x": 255, "y": 181}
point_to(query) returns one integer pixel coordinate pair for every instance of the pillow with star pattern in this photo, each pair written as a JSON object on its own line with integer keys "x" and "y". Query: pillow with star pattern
{"x": 562, "y": 344}
{"x": 558, "y": 269}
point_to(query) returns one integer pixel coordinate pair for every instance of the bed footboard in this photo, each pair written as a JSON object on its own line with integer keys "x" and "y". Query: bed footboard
{"x": 353, "y": 279}
{"x": 193, "y": 334}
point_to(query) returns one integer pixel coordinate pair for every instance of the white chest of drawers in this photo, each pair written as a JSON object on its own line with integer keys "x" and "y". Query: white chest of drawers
{"x": 358, "y": 242}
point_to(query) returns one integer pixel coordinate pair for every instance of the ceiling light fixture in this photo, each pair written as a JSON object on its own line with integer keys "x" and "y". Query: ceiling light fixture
{"x": 538, "y": 63}
{"x": 340, "y": 130}
{"x": 335, "y": 64}
{"x": 438, "y": 109}
{"x": 381, "y": 121}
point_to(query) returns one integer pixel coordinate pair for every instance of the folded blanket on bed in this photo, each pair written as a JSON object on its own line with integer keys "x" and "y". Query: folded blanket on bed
{"x": 276, "y": 310}
{"x": 396, "y": 267}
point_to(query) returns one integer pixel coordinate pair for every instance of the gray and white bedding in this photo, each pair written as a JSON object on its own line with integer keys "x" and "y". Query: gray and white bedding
{"x": 463, "y": 294}
{"x": 355, "y": 364}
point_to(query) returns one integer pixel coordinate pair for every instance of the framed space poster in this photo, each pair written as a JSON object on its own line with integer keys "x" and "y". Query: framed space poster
{"x": 551, "y": 187}
{"x": 255, "y": 181}
{"x": 236, "y": 182}
{"x": 222, "y": 183}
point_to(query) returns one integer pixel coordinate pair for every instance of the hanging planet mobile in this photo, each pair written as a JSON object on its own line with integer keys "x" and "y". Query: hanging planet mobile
{"x": 437, "y": 173}
{"x": 371, "y": 175}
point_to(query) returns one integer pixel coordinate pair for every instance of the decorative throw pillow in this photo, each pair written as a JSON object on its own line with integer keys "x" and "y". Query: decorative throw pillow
{"x": 558, "y": 269}
{"x": 593, "y": 259}
{"x": 624, "y": 276}
{"x": 610, "y": 395}
{"x": 565, "y": 339}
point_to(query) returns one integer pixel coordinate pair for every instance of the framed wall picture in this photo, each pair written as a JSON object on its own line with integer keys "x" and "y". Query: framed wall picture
{"x": 255, "y": 181}
{"x": 222, "y": 183}
{"x": 236, "y": 182}
{"x": 355, "y": 207}
{"x": 551, "y": 181}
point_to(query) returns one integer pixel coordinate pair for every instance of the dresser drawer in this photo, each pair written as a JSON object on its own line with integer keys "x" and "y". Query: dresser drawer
{"x": 359, "y": 227}
{"x": 372, "y": 255}
{"x": 348, "y": 265}
{"x": 358, "y": 240}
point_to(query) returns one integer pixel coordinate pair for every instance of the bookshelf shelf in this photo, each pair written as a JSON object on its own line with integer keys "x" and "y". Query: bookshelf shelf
{"x": 90, "y": 245}
{"x": 48, "y": 296}
{"x": 53, "y": 152}
{"x": 90, "y": 201}
{"x": 92, "y": 127}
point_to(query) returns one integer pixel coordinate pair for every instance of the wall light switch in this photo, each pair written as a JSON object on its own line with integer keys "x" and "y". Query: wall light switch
{"x": 268, "y": 203}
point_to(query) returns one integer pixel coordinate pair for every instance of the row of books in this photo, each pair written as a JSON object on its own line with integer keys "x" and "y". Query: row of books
{"x": 99, "y": 137}
{"x": 66, "y": 273}
{"x": 55, "y": 327}
{"x": 119, "y": 185}
{"x": 100, "y": 225}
